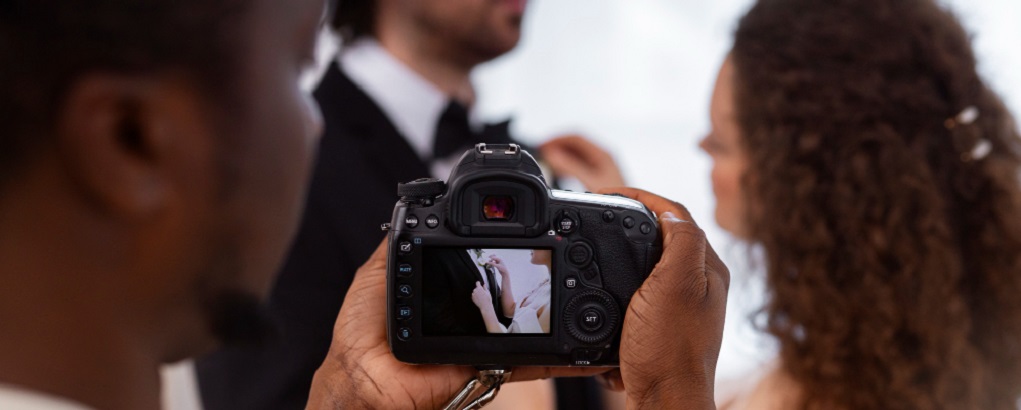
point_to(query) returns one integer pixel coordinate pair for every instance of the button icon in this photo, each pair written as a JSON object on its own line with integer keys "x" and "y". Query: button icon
{"x": 411, "y": 221}
{"x": 404, "y": 247}
{"x": 566, "y": 225}
{"x": 571, "y": 282}
{"x": 405, "y": 270}
{"x": 591, "y": 319}
{"x": 404, "y": 312}
{"x": 432, "y": 221}
{"x": 629, "y": 222}
{"x": 404, "y": 333}
{"x": 404, "y": 291}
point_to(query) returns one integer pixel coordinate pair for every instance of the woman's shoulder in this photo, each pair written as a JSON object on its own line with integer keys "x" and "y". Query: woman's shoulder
{"x": 766, "y": 389}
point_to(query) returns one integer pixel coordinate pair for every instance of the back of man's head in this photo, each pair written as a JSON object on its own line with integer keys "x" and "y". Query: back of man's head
{"x": 45, "y": 45}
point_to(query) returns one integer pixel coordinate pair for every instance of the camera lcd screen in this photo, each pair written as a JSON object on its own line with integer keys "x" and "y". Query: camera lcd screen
{"x": 485, "y": 291}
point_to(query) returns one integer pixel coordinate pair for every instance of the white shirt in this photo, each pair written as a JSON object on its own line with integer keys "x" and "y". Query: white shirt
{"x": 412, "y": 103}
{"x": 15, "y": 398}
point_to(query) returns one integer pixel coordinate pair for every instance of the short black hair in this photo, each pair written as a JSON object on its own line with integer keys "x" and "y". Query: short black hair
{"x": 354, "y": 19}
{"x": 45, "y": 45}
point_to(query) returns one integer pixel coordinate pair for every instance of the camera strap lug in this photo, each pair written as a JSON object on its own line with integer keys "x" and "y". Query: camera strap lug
{"x": 490, "y": 380}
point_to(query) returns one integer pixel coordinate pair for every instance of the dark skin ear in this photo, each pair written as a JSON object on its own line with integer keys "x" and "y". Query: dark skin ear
{"x": 125, "y": 141}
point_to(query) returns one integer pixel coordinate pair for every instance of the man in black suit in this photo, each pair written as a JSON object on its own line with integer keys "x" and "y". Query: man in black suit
{"x": 396, "y": 104}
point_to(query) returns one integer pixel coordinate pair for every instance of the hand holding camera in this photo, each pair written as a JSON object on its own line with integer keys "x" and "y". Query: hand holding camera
{"x": 669, "y": 339}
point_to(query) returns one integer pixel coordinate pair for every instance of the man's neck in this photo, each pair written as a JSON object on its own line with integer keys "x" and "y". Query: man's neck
{"x": 449, "y": 72}
{"x": 58, "y": 338}
{"x": 77, "y": 362}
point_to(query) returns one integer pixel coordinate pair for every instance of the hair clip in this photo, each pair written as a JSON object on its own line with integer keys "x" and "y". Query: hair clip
{"x": 967, "y": 116}
{"x": 981, "y": 149}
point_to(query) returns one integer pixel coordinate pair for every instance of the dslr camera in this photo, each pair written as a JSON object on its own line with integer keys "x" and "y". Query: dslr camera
{"x": 495, "y": 268}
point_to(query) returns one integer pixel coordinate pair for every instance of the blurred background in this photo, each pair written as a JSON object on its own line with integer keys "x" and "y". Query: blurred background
{"x": 636, "y": 77}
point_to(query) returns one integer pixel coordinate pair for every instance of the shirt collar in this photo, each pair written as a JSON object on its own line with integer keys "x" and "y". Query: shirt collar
{"x": 411, "y": 102}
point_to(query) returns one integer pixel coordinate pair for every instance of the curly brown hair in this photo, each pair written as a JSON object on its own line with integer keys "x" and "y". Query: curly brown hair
{"x": 893, "y": 256}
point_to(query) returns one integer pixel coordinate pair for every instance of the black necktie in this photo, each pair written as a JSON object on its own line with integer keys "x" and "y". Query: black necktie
{"x": 454, "y": 134}
{"x": 493, "y": 289}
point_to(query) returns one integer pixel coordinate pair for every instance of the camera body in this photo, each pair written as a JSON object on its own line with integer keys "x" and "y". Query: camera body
{"x": 498, "y": 269}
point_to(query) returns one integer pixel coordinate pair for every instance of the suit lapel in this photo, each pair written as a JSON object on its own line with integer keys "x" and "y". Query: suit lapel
{"x": 368, "y": 127}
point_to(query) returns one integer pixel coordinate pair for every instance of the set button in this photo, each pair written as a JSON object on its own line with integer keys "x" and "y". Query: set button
{"x": 592, "y": 319}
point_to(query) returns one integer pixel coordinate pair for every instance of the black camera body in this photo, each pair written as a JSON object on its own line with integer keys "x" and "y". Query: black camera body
{"x": 497, "y": 269}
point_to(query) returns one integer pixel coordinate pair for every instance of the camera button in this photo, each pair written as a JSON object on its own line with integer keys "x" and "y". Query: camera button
{"x": 404, "y": 247}
{"x": 404, "y": 333}
{"x": 586, "y": 355}
{"x": 405, "y": 270}
{"x": 579, "y": 254}
{"x": 403, "y": 312}
{"x": 411, "y": 221}
{"x": 571, "y": 282}
{"x": 404, "y": 291}
{"x": 432, "y": 221}
{"x": 608, "y": 216}
{"x": 591, "y": 319}
{"x": 629, "y": 222}
{"x": 566, "y": 224}
{"x": 646, "y": 228}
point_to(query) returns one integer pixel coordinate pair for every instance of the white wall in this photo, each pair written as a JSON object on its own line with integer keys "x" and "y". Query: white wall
{"x": 636, "y": 76}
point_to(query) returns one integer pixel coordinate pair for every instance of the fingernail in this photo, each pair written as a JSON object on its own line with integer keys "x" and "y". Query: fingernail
{"x": 668, "y": 216}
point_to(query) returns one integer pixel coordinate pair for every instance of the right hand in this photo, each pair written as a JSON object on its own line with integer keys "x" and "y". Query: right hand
{"x": 673, "y": 327}
{"x": 481, "y": 297}
{"x": 577, "y": 157}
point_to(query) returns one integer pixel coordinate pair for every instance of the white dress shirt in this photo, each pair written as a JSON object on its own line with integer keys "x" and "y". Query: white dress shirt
{"x": 412, "y": 103}
{"x": 16, "y": 398}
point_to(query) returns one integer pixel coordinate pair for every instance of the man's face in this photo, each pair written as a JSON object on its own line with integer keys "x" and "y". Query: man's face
{"x": 267, "y": 161}
{"x": 484, "y": 28}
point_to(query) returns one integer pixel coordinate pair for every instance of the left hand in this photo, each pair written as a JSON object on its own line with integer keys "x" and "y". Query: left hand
{"x": 360, "y": 372}
{"x": 577, "y": 157}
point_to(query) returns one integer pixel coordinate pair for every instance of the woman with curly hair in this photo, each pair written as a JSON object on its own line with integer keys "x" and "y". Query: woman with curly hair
{"x": 855, "y": 143}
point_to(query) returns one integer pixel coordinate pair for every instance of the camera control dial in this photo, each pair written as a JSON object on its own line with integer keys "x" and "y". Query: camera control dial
{"x": 591, "y": 316}
{"x": 422, "y": 188}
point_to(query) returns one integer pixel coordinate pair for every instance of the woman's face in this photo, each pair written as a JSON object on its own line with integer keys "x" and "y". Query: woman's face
{"x": 542, "y": 257}
{"x": 723, "y": 144}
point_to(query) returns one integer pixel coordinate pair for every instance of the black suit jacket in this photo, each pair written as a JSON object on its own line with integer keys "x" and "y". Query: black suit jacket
{"x": 362, "y": 158}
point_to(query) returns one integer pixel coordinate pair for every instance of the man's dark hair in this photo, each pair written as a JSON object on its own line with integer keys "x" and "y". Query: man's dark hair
{"x": 354, "y": 19}
{"x": 45, "y": 45}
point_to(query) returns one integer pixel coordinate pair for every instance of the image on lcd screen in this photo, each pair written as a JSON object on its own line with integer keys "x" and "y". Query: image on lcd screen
{"x": 480, "y": 292}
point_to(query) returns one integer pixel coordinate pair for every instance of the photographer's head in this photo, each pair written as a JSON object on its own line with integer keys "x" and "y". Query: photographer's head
{"x": 468, "y": 32}
{"x": 153, "y": 156}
